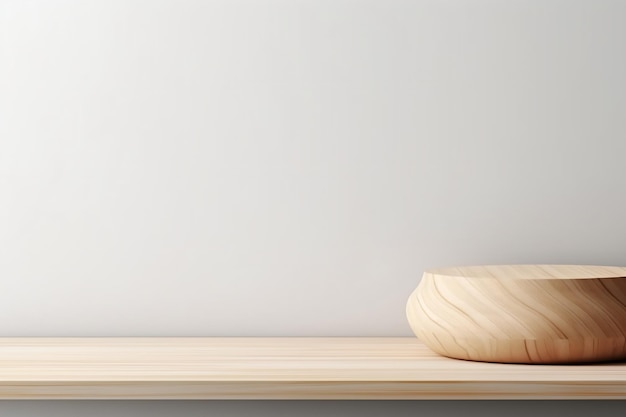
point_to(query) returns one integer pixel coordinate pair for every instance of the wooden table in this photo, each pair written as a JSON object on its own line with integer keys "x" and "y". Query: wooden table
{"x": 280, "y": 368}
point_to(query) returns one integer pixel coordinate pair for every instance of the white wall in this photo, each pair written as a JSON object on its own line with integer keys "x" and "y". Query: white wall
{"x": 290, "y": 167}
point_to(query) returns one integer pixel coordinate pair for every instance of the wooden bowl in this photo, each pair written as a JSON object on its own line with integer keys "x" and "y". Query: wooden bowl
{"x": 522, "y": 313}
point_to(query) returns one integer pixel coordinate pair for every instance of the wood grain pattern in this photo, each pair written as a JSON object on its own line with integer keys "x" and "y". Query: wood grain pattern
{"x": 522, "y": 313}
{"x": 280, "y": 368}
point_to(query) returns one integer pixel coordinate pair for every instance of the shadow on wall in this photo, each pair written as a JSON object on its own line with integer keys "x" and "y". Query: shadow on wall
{"x": 312, "y": 408}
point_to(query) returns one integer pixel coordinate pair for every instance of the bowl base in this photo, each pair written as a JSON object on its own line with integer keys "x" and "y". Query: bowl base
{"x": 530, "y": 351}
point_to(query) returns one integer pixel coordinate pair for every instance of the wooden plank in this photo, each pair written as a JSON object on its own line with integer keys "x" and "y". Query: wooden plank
{"x": 280, "y": 368}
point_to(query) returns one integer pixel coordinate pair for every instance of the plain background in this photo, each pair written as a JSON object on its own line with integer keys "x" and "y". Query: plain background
{"x": 290, "y": 167}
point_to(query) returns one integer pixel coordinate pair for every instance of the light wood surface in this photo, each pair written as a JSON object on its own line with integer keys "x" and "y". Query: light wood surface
{"x": 280, "y": 368}
{"x": 522, "y": 313}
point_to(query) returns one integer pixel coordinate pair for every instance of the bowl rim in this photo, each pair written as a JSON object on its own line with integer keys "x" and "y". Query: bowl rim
{"x": 529, "y": 272}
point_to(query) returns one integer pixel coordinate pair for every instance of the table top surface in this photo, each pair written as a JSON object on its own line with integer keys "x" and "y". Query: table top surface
{"x": 265, "y": 359}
